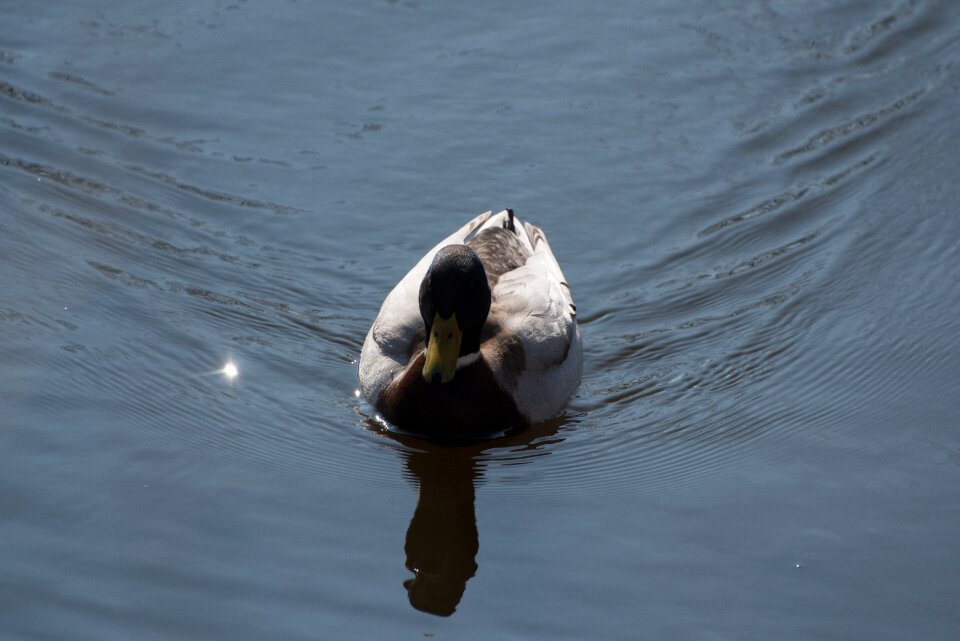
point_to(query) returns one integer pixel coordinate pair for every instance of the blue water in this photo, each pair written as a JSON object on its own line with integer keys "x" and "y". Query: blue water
{"x": 755, "y": 206}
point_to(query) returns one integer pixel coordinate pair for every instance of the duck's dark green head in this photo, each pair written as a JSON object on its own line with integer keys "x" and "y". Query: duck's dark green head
{"x": 454, "y": 303}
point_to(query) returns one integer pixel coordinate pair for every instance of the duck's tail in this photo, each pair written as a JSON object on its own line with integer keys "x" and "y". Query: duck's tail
{"x": 508, "y": 224}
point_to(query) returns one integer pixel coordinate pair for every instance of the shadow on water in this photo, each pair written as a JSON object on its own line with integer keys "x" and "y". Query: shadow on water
{"x": 442, "y": 539}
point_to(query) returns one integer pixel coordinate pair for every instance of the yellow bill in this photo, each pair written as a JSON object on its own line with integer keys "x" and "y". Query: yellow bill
{"x": 443, "y": 349}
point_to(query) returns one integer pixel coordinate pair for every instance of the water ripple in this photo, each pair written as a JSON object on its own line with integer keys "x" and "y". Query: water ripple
{"x": 853, "y": 127}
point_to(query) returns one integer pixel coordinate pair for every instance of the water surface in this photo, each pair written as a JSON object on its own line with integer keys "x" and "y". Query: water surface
{"x": 754, "y": 205}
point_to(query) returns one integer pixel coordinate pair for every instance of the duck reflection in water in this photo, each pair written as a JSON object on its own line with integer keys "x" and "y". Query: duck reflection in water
{"x": 442, "y": 540}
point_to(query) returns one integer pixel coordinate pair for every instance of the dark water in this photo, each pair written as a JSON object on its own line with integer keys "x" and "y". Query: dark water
{"x": 755, "y": 205}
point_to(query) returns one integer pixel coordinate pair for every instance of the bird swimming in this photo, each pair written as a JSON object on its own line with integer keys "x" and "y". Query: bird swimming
{"x": 479, "y": 338}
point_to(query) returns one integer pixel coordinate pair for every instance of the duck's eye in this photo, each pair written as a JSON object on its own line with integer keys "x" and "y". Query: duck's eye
{"x": 450, "y": 335}
{"x": 436, "y": 334}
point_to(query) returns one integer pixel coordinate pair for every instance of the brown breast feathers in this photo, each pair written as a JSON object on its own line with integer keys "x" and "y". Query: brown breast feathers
{"x": 472, "y": 404}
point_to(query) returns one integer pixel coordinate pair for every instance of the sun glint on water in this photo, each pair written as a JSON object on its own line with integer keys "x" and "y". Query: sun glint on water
{"x": 230, "y": 370}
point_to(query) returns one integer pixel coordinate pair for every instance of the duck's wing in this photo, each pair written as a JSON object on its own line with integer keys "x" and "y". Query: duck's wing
{"x": 533, "y": 305}
{"x": 393, "y": 335}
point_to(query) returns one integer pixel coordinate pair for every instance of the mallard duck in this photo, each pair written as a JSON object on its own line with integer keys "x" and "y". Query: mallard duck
{"x": 480, "y": 337}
